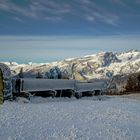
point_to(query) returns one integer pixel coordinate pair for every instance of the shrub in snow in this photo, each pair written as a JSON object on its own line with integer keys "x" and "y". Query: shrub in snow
{"x": 22, "y": 100}
{"x": 22, "y": 94}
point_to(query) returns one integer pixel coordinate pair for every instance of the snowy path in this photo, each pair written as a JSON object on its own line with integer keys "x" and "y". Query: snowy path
{"x": 70, "y": 119}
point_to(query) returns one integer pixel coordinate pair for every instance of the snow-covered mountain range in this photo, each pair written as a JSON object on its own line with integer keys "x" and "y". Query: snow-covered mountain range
{"x": 103, "y": 65}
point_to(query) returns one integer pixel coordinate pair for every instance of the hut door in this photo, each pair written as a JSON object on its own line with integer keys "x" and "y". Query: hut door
{"x": 1, "y": 87}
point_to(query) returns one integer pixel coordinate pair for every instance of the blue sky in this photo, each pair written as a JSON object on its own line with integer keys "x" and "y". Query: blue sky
{"x": 51, "y": 30}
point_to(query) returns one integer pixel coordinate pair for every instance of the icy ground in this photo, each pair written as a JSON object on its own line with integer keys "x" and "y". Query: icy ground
{"x": 111, "y": 118}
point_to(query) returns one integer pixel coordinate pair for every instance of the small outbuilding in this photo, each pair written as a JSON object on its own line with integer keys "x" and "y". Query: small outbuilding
{"x": 5, "y": 83}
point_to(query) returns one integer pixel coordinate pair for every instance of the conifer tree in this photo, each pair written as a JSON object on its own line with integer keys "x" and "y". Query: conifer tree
{"x": 39, "y": 75}
{"x": 20, "y": 75}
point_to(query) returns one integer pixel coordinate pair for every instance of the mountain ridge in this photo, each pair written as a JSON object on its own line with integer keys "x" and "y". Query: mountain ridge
{"x": 102, "y": 65}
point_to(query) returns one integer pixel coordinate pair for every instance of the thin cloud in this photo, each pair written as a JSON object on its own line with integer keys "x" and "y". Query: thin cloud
{"x": 87, "y": 9}
{"x": 119, "y": 2}
{"x": 105, "y": 18}
{"x": 137, "y": 1}
{"x": 94, "y": 12}
{"x": 112, "y": 20}
{"x": 90, "y": 18}
{"x": 18, "y": 19}
{"x": 53, "y": 19}
{"x": 52, "y": 7}
{"x": 4, "y": 7}
{"x": 13, "y": 8}
{"x": 52, "y": 10}
{"x": 35, "y": 9}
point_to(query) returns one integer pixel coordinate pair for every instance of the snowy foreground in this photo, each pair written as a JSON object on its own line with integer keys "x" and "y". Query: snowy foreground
{"x": 111, "y": 118}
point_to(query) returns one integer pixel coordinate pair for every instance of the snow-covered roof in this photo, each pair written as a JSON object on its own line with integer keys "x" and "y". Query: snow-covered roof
{"x": 31, "y": 84}
{"x": 81, "y": 87}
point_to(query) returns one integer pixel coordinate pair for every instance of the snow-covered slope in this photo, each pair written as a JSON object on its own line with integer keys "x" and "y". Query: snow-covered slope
{"x": 97, "y": 66}
{"x": 110, "y": 118}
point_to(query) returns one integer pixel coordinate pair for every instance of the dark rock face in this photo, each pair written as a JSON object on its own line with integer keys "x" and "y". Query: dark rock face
{"x": 108, "y": 58}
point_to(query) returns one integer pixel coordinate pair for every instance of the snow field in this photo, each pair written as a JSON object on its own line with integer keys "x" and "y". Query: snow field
{"x": 111, "y": 118}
